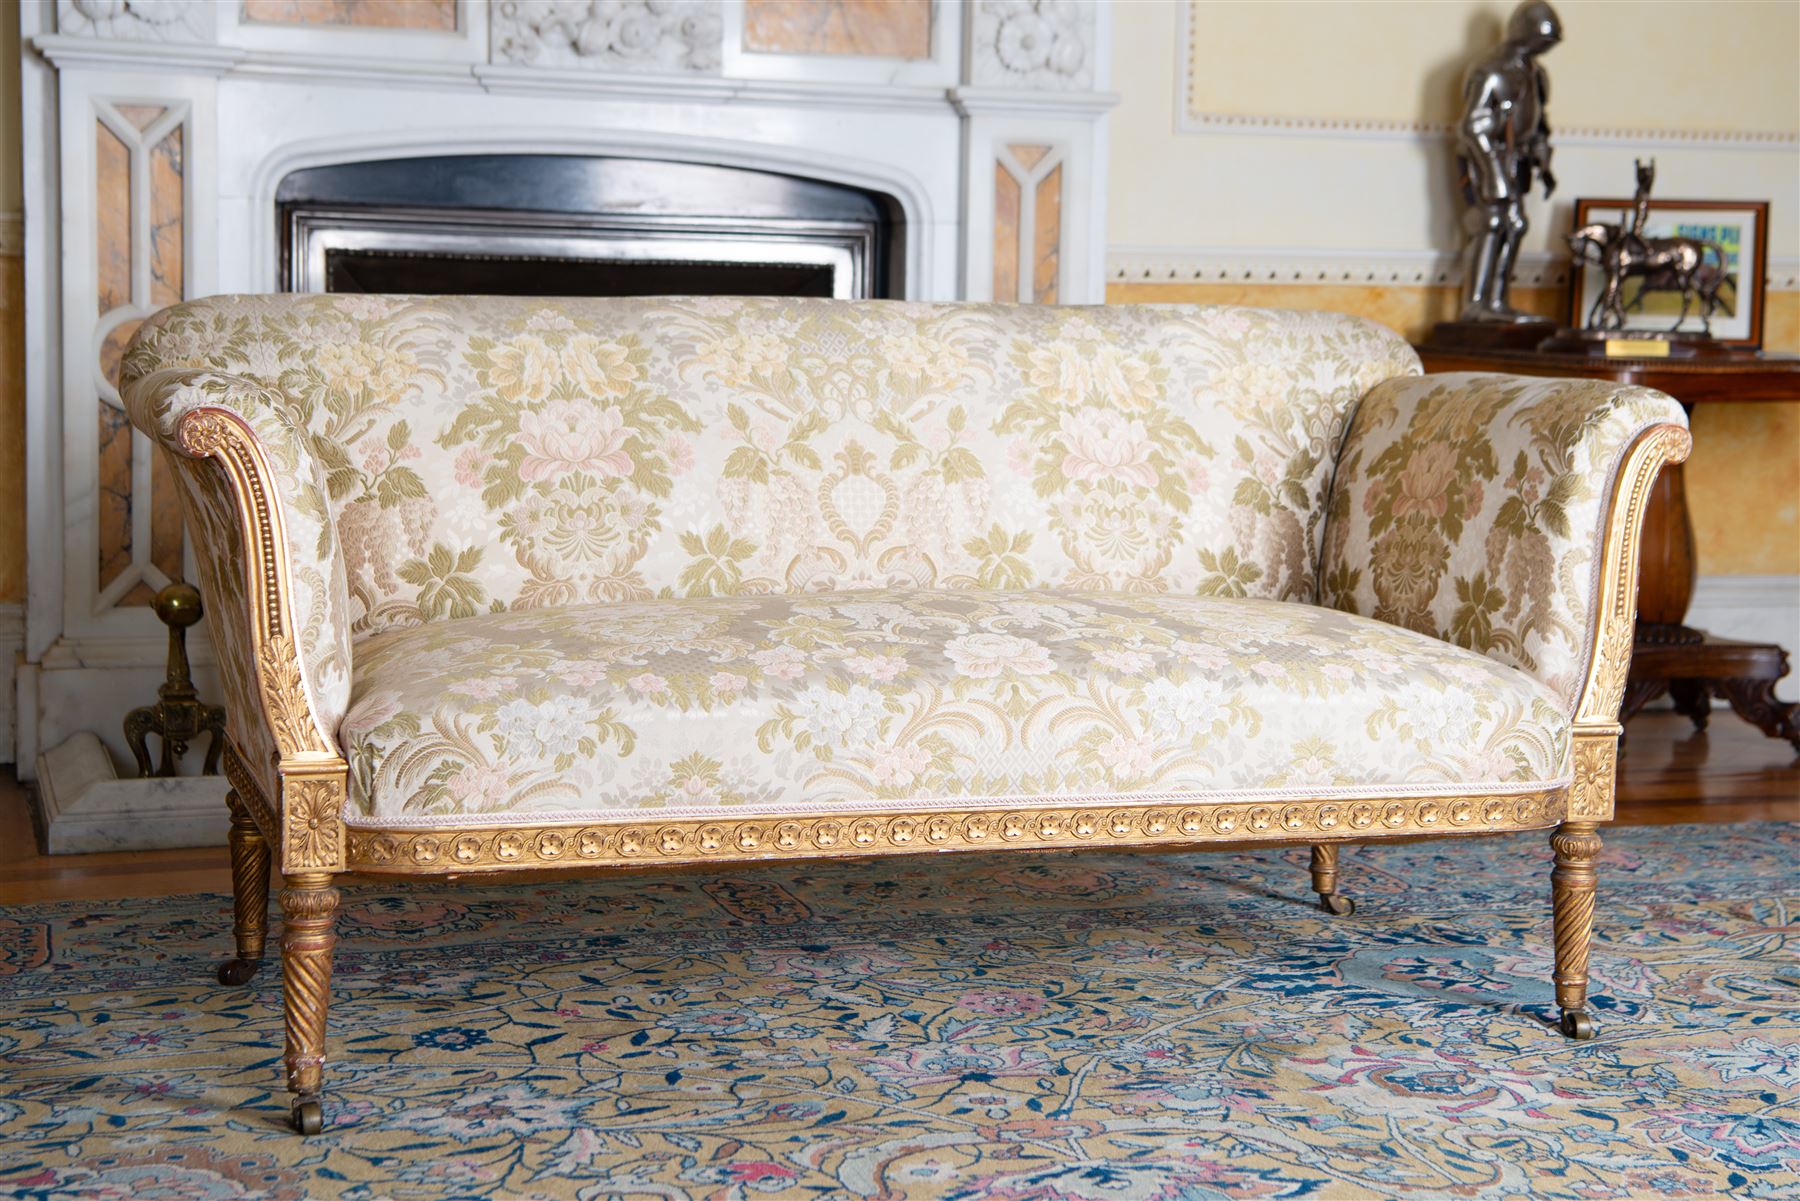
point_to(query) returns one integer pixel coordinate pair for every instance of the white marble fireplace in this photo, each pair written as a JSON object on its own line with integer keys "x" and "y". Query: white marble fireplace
{"x": 158, "y": 133}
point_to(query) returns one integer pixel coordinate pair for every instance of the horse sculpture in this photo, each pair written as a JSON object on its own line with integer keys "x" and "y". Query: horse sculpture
{"x": 1694, "y": 267}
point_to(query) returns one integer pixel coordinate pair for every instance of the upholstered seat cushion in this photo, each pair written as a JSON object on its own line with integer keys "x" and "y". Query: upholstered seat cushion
{"x": 862, "y": 700}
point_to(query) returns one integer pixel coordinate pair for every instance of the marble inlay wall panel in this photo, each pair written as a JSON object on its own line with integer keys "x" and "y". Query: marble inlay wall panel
{"x": 1048, "y": 229}
{"x": 1028, "y": 193}
{"x": 437, "y": 15}
{"x": 112, "y": 271}
{"x": 1007, "y": 208}
{"x": 167, "y": 286}
{"x": 140, "y": 240}
{"x": 875, "y": 28}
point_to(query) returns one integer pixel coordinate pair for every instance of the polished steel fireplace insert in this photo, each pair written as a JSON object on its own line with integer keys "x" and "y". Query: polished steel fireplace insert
{"x": 564, "y": 225}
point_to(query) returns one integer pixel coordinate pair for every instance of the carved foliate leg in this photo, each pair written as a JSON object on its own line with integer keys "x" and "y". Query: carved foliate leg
{"x": 250, "y": 893}
{"x": 1324, "y": 880}
{"x": 309, "y": 906}
{"x": 1572, "y": 884}
{"x": 1692, "y": 700}
{"x": 1755, "y": 701}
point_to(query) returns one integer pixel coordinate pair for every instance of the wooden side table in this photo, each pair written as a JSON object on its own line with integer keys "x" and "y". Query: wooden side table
{"x": 1670, "y": 656}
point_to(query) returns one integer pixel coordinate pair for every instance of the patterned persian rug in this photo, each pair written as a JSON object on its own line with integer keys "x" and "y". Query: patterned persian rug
{"x": 1059, "y": 1028}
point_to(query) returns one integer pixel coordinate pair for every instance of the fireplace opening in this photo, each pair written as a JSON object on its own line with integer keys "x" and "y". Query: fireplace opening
{"x": 563, "y": 225}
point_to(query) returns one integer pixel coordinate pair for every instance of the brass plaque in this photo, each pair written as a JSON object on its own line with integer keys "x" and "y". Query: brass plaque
{"x": 1637, "y": 348}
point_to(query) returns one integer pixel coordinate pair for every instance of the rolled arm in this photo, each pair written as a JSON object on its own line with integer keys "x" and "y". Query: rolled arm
{"x": 271, "y": 565}
{"x": 1502, "y": 513}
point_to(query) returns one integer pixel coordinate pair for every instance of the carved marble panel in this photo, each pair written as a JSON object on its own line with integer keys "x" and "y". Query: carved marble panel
{"x": 1037, "y": 44}
{"x": 137, "y": 20}
{"x": 439, "y": 15}
{"x": 667, "y": 36}
{"x": 874, "y": 28}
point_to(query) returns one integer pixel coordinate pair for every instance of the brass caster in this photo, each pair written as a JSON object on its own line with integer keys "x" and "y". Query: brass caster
{"x": 1577, "y": 1025}
{"x": 1336, "y": 904}
{"x": 238, "y": 971}
{"x": 308, "y": 1117}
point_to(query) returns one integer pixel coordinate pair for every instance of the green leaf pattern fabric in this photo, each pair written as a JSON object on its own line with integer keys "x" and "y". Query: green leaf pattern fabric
{"x": 1473, "y": 507}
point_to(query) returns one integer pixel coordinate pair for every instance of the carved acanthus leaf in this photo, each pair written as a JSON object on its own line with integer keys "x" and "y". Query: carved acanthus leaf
{"x": 284, "y": 695}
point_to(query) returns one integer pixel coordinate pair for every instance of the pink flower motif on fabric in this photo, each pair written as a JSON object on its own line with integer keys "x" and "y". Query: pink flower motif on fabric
{"x": 1099, "y": 444}
{"x": 566, "y": 436}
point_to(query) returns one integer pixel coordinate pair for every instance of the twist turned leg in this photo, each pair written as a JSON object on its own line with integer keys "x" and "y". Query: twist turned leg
{"x": 250, "y": 893}
{"x": 309, "y": 906}
{"x": 1324, "y": 880}
{"x": 1572, "y": 884}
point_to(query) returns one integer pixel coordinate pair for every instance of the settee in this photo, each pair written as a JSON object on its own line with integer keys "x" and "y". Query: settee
{"x": 511, "y": 584}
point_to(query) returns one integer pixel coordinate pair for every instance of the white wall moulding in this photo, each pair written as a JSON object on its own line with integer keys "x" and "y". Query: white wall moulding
{"x": 1574, "y": 135}
{"x": 1395, "y": 268}
{"x": 256, "y": 99}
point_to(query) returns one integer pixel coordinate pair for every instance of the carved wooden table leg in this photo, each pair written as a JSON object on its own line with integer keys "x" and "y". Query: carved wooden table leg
{"x": 1324, "y": 880}
{"x": 250, "y": 893}
{"x": 1572, "y": 883}
{"x": 309, "y": 905}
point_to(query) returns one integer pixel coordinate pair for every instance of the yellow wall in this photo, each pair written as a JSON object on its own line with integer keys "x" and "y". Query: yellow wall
{"x": 12, "y": 328}
{"x": 1208, "y": 188}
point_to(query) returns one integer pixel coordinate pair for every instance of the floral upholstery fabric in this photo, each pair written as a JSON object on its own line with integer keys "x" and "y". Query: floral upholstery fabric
{"x": 480, "y": 454}
{"x": 318, "y": 601}
{"x": 1473, "y": 508}
{"x": 828, "y": 701}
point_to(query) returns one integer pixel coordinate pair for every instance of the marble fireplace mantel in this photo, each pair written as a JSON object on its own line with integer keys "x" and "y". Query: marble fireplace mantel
{"x": 158, "y": 132}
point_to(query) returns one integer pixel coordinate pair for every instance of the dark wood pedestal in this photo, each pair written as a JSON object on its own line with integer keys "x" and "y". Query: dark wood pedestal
{"x": 1671, "y": 657}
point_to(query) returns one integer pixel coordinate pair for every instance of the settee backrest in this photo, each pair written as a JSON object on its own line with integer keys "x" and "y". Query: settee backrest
{"x": 483, "y": 453}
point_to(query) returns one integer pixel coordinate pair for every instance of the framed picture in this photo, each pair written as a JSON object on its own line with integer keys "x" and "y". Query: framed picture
{"x": 1731, "y": 278}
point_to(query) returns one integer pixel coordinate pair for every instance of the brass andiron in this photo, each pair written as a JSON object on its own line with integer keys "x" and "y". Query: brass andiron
{"x": 179, "y": 715}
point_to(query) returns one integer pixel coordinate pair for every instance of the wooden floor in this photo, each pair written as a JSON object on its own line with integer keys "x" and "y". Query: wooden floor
{"x": 1668, "y": 774}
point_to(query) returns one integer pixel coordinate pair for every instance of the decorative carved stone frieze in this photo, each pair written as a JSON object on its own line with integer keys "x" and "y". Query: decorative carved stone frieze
{"x": 609, "y": 35}
{"x": 137, "y": 20}
{"x": 1039, "y": 44}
